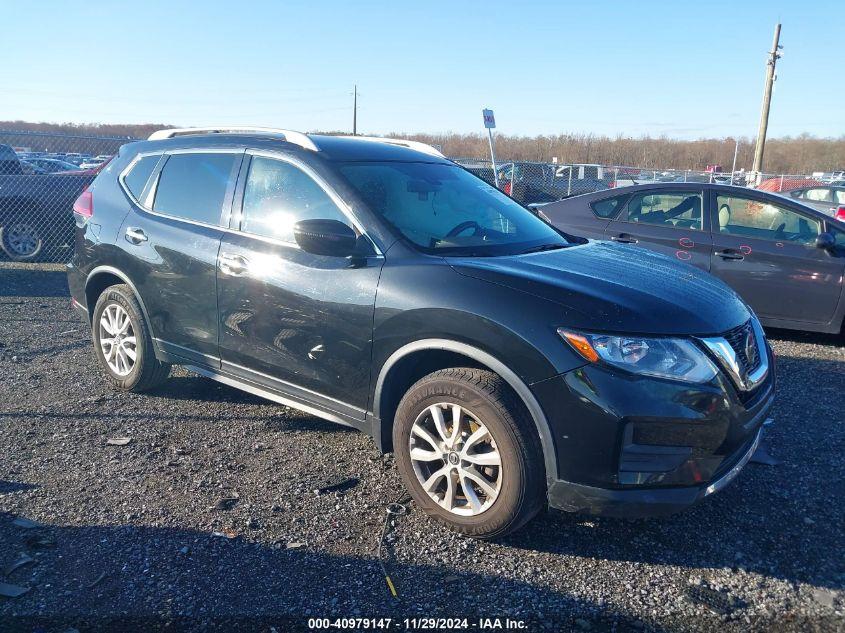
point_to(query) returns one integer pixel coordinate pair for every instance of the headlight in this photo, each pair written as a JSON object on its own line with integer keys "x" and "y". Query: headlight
{"x": 674, "y": 358}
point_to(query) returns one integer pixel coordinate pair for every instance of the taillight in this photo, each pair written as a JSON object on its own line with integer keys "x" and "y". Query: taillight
{"x": 840, "y": 213}
{"x": 84, "y": 205}
{"x": 508, "y": 188}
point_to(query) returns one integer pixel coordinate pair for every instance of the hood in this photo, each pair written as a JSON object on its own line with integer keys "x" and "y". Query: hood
{"x": 613, "y": 287}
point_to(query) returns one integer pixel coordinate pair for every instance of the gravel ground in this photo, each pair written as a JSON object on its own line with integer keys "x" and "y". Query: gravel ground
{"x": 208, "y": 519}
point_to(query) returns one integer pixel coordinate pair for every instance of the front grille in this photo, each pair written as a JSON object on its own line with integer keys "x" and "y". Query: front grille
{"x": 737, "y": 338}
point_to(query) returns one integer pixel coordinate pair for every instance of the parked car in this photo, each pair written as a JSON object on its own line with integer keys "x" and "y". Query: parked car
{"x": 578, "y": 178}
{"x": 528, "y": 182}
{"x": 35, "y": 207}
{"x": 376, "y": 284}
{"x": 480, "y": 169}
{"x": 829, "y": 199}
{"x": 51, "y": 165}
{"x": 787, "y": 260}
{"x": 90, "y": 163}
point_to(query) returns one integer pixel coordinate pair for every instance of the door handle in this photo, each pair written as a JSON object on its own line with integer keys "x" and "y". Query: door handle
{"x": 233, "y": 264}
{"x": 730, "y": 254}
{"x": 624, "y": 238}
{"x": 135, "y": 235}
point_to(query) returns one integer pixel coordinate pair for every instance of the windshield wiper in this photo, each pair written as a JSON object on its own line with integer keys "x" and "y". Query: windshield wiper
{"x": 543, "y": 247}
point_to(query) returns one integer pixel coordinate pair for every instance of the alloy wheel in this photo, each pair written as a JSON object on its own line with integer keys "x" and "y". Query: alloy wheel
{"x": 21, "y": 239}
{"x": 455, "y": 459}
{"x": 117, "y": 339}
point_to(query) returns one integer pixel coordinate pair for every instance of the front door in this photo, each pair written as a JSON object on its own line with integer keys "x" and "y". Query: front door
{"x": 668, "y": 221}
{"x": 290, "y": 320}
{"x": 767, "y": 253}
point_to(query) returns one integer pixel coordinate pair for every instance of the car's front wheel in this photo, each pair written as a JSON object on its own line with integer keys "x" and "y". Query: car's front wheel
{"x": 468, "y": 452}
{"x": 123, "y": 343}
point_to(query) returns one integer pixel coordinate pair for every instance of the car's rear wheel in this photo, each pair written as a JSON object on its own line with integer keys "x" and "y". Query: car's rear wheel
{"x": 123, "y": 343}
{"x": 21, "y": 240}
{"x": 466, "y": 448}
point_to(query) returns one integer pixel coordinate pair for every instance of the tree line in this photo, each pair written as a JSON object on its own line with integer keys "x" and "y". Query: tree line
{"x": 789, "y": 155}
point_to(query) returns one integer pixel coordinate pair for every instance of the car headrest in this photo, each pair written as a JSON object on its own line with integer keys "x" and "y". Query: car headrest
{"x": 724, "y": 215}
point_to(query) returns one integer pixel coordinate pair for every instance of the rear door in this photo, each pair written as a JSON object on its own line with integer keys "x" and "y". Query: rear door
{"x": 172, "y": 237}
{"x": 669, "y": 221}
{"x": 766, "y": 251}
{"x": 289, "y": 320}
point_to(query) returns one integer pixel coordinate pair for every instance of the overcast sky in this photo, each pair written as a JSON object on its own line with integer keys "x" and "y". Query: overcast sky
{"x": 681, "y": 69}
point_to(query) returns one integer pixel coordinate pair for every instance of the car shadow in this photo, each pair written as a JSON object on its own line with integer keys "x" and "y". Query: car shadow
{"x": 16, "y": 282}
{"x": 814, "y": 338}
{"x": 7, "y": 487}
{"x": 144, "y": 578}
{"x": 730, "y": 531}
{"x": 202, "y": 389}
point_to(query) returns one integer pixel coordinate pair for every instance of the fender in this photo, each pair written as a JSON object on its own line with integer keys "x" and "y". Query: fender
{"x": 119, "y": 273}
{"x": 494, "y": 364}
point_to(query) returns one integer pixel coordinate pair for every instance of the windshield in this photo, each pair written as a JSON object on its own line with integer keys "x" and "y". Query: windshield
{"x": 444, "y": 209}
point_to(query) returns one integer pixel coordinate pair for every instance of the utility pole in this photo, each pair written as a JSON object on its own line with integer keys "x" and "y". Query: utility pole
{"x": 736, "y": 151}
{"x": 355, "y": 110}
{"x": 774, "y": 55}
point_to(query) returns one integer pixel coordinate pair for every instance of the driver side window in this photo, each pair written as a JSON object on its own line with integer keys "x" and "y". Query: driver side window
{"x": 278, "y": 195}
{"x": 762, "y": 220}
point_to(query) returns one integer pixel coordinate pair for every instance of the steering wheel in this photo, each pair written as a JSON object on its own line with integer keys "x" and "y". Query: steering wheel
{"x": 463, "y": 226}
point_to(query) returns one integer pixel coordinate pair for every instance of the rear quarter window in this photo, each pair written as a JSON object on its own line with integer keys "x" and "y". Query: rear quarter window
{"x": 609, "y": 207}
{"x": 136, "y": 178}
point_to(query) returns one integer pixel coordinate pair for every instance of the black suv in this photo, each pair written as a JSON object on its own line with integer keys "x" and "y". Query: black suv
{"x": 376, "y": 284}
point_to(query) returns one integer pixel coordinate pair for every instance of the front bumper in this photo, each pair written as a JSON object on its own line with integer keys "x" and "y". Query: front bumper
{"x": 634, "y": 446}
{"x": 641, "y": 502}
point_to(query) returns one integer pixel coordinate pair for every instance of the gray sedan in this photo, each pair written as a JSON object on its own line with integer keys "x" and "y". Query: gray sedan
{"x": 829, "y": 199}
{"x": 785, "y": 259}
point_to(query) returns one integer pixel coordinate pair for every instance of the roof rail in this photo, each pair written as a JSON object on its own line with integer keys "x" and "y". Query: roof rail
{"x": 297, "y": 138}
{"x": 415, "y": 145}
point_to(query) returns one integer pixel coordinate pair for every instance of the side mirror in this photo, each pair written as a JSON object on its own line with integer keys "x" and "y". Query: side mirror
{"x": 325, "y": 237}
{"x": 826, "y": 241}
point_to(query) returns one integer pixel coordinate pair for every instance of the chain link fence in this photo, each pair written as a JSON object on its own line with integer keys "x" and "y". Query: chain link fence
{"x": 42, "y": 174}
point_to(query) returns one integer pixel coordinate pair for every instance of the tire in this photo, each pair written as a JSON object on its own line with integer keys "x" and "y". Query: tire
{"x": 486, "y": 402}
{"x": 146, "y": 371}
{"x": 21, "y": 240}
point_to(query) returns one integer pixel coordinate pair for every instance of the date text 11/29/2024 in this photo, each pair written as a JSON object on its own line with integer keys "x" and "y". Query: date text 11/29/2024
{"x": 418, "y": 624}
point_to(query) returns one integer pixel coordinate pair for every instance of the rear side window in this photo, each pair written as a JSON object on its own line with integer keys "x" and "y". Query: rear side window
{"x": 193, "y": 186}
{"x": 608, "y": 207}
{"x": 673, "y": 209}
{"x": 137, "y": 177}
{"x": 818, "y": 195}
{"x": 278, "y": 195}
